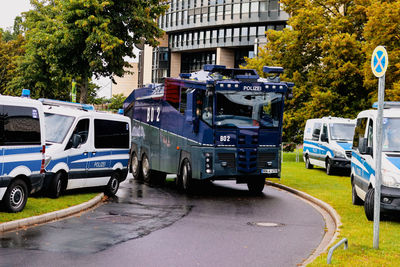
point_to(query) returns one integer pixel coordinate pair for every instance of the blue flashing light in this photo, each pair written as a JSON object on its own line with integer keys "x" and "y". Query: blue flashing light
{"x": 87, "y": 107}
{"x": 388, "y": 104}
{"x": 121, "y": 111}
{"x": 211, "y": 67}
{"x": 267, "y": 69}
{"x": 185, "y": 75}
{"x": 26, "y": 93}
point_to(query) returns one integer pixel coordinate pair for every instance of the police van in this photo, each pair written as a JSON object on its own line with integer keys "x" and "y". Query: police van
{"x": 327, "y": 143}
{"x": 85, "y": 148}
{"x": 363, "y": 162}
{"x": 22, "y": 145}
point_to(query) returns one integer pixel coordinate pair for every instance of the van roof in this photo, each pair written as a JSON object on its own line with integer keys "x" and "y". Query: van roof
{"x": 388, "y": 113}
{"x": 20, "y": 101}
{"x": 333, "y": 120}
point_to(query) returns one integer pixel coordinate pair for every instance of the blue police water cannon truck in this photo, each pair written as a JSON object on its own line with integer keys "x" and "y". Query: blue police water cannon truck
{"x": 214, "y": 124}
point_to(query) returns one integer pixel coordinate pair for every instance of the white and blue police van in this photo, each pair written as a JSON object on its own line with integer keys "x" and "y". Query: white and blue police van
{"x": 363, "y": 162}
{"x": 22, "y": 145}
{"x": 85, "y": 148}
{"x": 327, "y": 143}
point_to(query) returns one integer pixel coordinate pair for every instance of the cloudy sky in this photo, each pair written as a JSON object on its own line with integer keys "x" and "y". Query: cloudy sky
{"x": 10, "y": 9}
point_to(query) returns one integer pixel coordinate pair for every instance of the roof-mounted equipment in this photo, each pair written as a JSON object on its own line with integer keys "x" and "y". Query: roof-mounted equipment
{"x": 66, "y": 104}
{"x": 388, "y": 104}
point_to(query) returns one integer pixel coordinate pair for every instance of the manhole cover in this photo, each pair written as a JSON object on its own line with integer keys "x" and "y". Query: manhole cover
{"x": 266, "y": 224}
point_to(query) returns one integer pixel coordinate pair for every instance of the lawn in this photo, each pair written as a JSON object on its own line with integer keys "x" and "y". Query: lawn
{"x": 40, "y": 205}
{"x": 336, "y": 191}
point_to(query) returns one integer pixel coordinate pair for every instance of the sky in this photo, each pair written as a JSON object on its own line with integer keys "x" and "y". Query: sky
{"x": 10, "y": 9}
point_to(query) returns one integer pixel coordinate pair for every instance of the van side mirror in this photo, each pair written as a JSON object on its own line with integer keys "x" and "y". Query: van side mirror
{"x": 324, "y": 138}
{"x": 76, "y": 140}
{"x": 363, "y": 148}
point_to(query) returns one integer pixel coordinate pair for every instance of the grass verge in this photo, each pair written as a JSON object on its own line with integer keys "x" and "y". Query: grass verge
{"x": 41, "y": 205}
{"x": 336, "y": 191}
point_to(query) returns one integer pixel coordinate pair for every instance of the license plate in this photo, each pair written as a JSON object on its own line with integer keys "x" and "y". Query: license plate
{"x": 269, "y": 171}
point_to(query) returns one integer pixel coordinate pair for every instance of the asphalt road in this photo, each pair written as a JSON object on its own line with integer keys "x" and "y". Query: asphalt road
{"x": 222, "y": 225}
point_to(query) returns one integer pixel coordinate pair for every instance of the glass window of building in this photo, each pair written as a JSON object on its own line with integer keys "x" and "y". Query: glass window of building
{"x": 273, "y": 5}
{"x": 261, "y": 31}
{"x": 220, "y": 10}
{"x": 196, "y": 38}
{"x": 208, "y": 36}
{"x": 205, "y": 17}
{"x": 236, "y": 32}
{"x": 245, "y": 8}
{"x": 279, "y": 27}
{"x": 263, "y": 6}
{"x": 245, "y": 33}
{"x": 214, "y": 36}
{"x": 179, "y": 18}
{"x": 228, "y": 34}
{"x": 221, "y": 35}
{"x": 254, "y": 8}
{"x": 228, "y": 11}
{"x": 201, "y": 37}
{"x": 236, "y": 9}
{"x": 253, "y": 31}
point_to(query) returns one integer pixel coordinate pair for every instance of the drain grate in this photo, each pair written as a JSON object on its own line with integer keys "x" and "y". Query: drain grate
{"x": 266, "y": 224}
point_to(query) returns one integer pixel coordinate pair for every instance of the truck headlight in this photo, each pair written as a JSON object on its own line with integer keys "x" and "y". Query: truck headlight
{"x": 339, "y": 154}
{"x": 389, "y": 178}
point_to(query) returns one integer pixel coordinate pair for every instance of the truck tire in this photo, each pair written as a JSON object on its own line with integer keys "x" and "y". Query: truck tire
{"x": 308, "y": 164}
{"x": 113, "y": 185}
{"x": 186, "y": 173}
{"x": 55, "y": 187}
{"x": 256, "y": 185}
{"x": 135, "y": 167}
{"x": 369, "y": 204}
{"x": 15, "y": 198}
{"x": 355, "y": 199}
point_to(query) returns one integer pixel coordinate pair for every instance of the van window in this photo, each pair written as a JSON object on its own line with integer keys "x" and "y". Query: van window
{"x": 359, "y": 131}
{"x": 325, "y": 131}
{"x": 57, "y": 127}
{"x": 370, "y": 134}
{"x": 183, "y": 98}
{"x": 82, "y": 128}
{"x": 20, "y": 125}
{"x": 316, "y": 131}
{"x": 111, "y": 134}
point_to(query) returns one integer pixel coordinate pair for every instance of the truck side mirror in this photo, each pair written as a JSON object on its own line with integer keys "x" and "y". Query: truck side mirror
{"x": 362, "y": 146}
{"x": 76, "y": 140}
{"x": 324, "y": 138}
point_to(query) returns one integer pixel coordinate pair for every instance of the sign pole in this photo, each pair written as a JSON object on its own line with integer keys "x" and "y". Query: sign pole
{"x": 378, "y": 176}
{"x": 379, "y": 64}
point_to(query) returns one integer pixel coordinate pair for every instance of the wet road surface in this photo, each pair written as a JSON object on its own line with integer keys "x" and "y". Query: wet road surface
{"x": 222, "y": 225}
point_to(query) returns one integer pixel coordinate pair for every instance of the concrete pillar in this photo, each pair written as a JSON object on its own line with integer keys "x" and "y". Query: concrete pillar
{"x": 175, "y": 67}
{"x": 226, "y": 56}
{"x": 148, "y": 62}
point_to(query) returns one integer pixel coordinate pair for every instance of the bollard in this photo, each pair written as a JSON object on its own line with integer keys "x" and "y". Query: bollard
{"x": 344, "y": 240}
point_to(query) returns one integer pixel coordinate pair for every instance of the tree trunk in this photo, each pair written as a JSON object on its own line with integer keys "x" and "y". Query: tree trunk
{"x": 84, "y": 91}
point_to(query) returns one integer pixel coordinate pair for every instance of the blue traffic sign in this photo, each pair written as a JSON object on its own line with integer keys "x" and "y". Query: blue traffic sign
{"x": 379, "y": 61}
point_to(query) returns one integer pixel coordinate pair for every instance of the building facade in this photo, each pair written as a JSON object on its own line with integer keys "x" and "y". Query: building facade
{"x": 200, "y": 32}
{"x": 124, "y": 85}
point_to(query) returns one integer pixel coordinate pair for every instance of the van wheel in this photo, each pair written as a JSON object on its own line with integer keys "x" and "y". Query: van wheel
{"x": 55, "y": 187}
{"x": 16, "y": 196}
{"x": 113, "y": 185}
{"x": 369, "y": 204}
{"x": 355, "y": 199}
{"x": 308, "y": 164}
{"x": 256, "y": 185}
{"x": 135, "y": 167}
{"x": 186, "y": 177}
{"x": 329, "y": 167}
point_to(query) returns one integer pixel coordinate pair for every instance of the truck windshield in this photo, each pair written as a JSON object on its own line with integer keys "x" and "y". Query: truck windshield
{"x": 238, "y": 108}
{"x": 342, "y": 131}
{"x": 391, "y": 135}
{"x": 57, "y": 127}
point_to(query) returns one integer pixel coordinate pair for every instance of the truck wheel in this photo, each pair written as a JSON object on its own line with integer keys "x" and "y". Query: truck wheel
{"x": 16, "y": 196}
{"x": 146, "y": 170}
{"x": 355, "y": 199}
{"x": 329, "y": 167}
{"x": 135, "y": 167}
{"x": 256, "y": 185}
{"x": 113, "y": 185}
{"x": 308, "y": 164}
{"x": 186, "y": 173}
{"x": 369, "y": 204}
{"x": 55, "y": 187}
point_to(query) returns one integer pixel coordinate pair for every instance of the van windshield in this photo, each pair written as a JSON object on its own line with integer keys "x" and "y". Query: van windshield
{"x": 342, "y": 131}
{"x": 57, "y": 127}
{"x": 237, "y": 108}
{"x": 391, "y": 135}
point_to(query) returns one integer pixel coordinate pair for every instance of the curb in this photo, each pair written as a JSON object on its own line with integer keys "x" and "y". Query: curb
{"x": 325, "y": 209}
{"x": 47, "y": 217}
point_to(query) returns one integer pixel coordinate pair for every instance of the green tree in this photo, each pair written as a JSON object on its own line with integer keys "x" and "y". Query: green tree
{"x": 322, "y": 53}
{"x": 78, "y": 39}
{"x": 117, "y": 101}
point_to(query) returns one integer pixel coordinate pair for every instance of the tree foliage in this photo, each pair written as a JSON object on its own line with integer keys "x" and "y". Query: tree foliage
{"x": 75, "y": 39}
{"x": 326, "y": 51}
